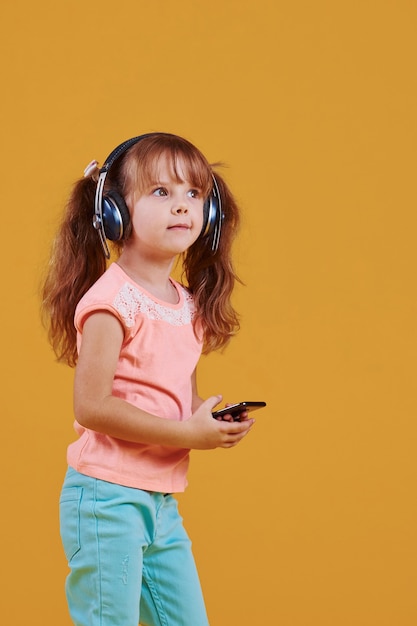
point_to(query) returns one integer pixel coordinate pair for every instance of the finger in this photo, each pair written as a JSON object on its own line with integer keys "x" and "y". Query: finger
{"x": 213, "y": 401}
{"x": 233, "y": 438}
{"x": 233, "y": 442}
{"x": 236, "y": 427}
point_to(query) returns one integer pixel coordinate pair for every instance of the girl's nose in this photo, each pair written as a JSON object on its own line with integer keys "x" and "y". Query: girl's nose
{"x": 180, "y": 207}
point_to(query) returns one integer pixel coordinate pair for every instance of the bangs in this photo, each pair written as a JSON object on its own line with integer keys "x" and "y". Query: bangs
{"x": 141, "y": 167}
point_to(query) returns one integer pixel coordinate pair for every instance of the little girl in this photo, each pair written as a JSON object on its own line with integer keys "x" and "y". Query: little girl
{"x": 135, "y": 336}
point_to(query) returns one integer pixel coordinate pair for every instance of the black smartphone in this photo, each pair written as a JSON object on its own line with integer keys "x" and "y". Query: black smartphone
{"x": 236, "y": 409}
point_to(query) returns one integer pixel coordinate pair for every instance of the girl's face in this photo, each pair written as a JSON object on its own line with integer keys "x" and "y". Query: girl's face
{"x": 167, "y": 217}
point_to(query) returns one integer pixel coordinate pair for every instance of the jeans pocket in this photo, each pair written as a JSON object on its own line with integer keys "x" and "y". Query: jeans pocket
{"x": 69, "y": 520}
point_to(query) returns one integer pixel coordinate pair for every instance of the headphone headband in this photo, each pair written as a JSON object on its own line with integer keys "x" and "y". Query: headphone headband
{"x": 120, "y": 149}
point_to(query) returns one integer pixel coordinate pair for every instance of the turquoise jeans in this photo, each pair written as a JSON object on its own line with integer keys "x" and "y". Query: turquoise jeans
{"x": 129, "y": 555}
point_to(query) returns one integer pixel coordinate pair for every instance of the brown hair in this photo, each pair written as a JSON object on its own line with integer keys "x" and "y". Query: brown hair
{"x": 77, "y": 259}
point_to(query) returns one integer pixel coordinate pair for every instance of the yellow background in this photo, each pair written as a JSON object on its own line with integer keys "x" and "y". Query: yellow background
{"x": 311, "y": 521}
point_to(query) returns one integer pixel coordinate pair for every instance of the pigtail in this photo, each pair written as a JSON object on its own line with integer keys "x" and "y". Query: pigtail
{"x": 211, "y": 278}
{"x": 76, "y": 263}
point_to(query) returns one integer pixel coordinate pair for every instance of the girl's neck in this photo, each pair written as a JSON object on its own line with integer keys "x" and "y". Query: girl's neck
{"x": 153, "y": 277}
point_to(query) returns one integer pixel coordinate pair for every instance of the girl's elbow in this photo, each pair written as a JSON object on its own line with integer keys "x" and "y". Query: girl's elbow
{"x": 85, "y": 415}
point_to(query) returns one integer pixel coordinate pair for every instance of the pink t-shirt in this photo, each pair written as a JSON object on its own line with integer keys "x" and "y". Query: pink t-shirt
{"x": 158, "y": 356}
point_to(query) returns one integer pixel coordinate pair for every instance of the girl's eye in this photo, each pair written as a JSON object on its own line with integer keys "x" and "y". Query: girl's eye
{"x": 194, "y": 193}
{"x": 160, "y": 191}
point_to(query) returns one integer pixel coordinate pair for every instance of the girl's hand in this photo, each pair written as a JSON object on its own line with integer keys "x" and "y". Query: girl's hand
{"x": 203, "y": 432}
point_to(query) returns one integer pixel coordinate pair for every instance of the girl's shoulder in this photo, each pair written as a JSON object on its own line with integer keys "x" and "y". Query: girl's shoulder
{"x": 101, "y": 296}
{"x": 105, "y": 287}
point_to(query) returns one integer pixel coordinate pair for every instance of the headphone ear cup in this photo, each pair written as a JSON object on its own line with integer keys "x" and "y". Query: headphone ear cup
{"x": 210, "y": 216}
{"x": 116, "y": 217}
{"x": 212, "y": 221}
{"x": 206, "y": 212}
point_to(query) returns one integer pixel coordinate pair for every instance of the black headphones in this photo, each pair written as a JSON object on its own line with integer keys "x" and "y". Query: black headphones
{"x": 111, "y": 215}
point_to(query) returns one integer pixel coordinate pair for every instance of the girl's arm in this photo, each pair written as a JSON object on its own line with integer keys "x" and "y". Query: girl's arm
{"x": 97, "y": 409}
{"x": 196, "y": 401}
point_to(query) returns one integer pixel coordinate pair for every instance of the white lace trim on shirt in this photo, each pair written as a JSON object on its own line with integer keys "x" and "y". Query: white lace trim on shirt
{"x": 130, "y": 301}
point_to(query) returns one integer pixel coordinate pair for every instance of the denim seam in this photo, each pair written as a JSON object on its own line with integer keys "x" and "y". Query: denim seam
{"x": 100, "y": 606}
{"x": 155, "y": 597}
